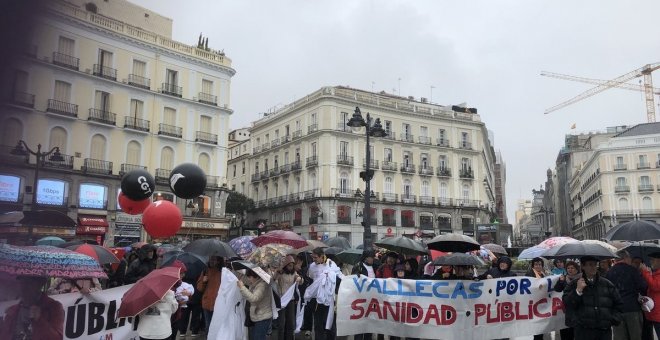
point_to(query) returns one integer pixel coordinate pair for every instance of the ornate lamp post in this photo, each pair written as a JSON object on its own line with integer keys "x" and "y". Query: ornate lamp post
{"x": 375, "y": 130}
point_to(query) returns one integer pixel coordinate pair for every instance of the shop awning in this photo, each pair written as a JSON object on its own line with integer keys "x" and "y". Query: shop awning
{"x": 92, "y": 225}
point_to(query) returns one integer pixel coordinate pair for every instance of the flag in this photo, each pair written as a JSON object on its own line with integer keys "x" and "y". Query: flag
{"x": 573, "y": 126}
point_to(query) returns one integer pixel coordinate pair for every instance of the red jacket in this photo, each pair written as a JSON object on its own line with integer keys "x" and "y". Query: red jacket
{"x": 653, "y": 279}
{"x": 385, "y": 272}
{"x": 50, "y": 324}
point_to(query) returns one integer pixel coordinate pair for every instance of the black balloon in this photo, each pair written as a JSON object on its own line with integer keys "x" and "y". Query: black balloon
{"x": 187, "y": 181}
{"x": 138, "y": 185}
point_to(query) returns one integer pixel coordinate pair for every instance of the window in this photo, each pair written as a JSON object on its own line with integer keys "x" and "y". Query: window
{"x": 169, "y": 116}
{"x": 344, "y": 119}
{"x": 623, "y": 203}
{"x": 204, "y": 162}
{"x": 313, "y": 184}
{"x": 243, "y": 169}
{"x": 407, "y": 188}
{"x": 20, "y": 82}
{"x": 443, "y": 190}
{"x": 286, "y": 157}
{"x": 139, "y": 68}
{"x": 426, "y": 222}
{"x": 620, "y": 181}
{"x": 172, "y": 77}
{"x": 277, "y": 135}
{"x": 297, "y": 125}
{"x": 619, "y": 160}
{"x": 133, "y": 151}
{"x": 425, "y": 161}
{"x": 62, "y": 91}
{"x": 344, "y": 214}
{"x": 167, "y": 158}
{"x": 207, "y": 86}
{"x": 287, "y": 131}
{"x": 466, "y": 192}
{"x": 389, "y": 188}
{"x": 441, "y": 136}
{"x": 266, "y": 164}
{"x": 105, "y": 58}
{"x": 66, "y": 46}
{"x": 387, "y": 154}
{"x": 256, "y": 167}
{"x": 444, "y": 223}
{"x": 276, "y": 162}
{"x": 313, "y": 149}
{"x": 406, "y": 130}
{"x": 343, "y": 183}
{"x": 313, "y": 215}
{"x": 645, "y": 181}
{"x": 297, "y": 156}
{"x": 97, "y": 147}
{"x": 297, "y": 217}
{"x": 58, "y": 138}
{"x": 102, "y": 101}
{"x": 164, "y": 196}
{"x": 464, "y": 140}
{"x": 205, "y": 124}
{"x": 388, "y": 127}
{"x": 647, "y": 203}
{"x": 389, "y": 217}
{"x": 643, "y": 161}
{"x": 234, "y": 170}
{"x": 423, "y": 131}
{"x": 313, "y": 117}
{"x": 343, "y": 148}
{"x": 426, "y": 189}
{"x": 137, "y": 109}
{"x": 52, "y": 192}
{"x": 465, "y": 164}
{"x": 407, "y": 218}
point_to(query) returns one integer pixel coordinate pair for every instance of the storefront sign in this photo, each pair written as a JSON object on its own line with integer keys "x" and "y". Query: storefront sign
{"x": 10, "y": 187}
{"x": 51, "y": 192}
{"x": 128, "y": 219}
{"x": 90, "y": 230}
{"x": 93, "y": 196}
{"x": 208, "y": 225}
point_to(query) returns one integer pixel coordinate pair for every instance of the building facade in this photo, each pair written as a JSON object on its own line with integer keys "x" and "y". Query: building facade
{"x": 433, "y": 172}
{"x": 500, "y": 188}
{"x": 105, "y": 83}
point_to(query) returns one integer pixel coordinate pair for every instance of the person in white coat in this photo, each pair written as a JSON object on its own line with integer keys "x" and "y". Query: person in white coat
{"x": 155, "y": 321}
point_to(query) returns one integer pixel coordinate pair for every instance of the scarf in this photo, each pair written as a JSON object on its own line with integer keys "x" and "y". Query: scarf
{"x": 571, "y": 278}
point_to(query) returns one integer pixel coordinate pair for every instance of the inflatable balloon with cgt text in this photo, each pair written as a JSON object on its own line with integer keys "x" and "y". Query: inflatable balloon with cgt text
{"x": 138, "y": 185}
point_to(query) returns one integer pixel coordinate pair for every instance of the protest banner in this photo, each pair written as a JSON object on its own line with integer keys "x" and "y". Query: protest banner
{"x": 92, "y": 316}
{"x": 449, "y": 309}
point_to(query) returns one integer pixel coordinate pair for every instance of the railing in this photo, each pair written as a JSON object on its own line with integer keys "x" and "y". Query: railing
{"x": 618, "y": 167}
{"x": 312, "y": 128}
{"x": 207, "y": 98}
{"x": 274, "y": 172}
{"x": 444, "y": 172}
{"x": 136, "y": 124}
{"x": 405, "y": 137}
{"x": 465, "y": 145}
{"x": 23, "y": 99}
{"x": 172, "y": 90}
{"x": 163, "y": 175}
{"x": 344, "y": 193}
{"x": 409, "y": 168}
{"x": 622, "y": 188}
{"x": 467, "y": 203}
{"x": 283, "y": 199}
{"x": 130, "y": 167}
{"x": 285, "y": 168}
{"x": 98, "y": 166}
{"x": 645, "y": 165}
{"x": 388, "y": 197}
{"x": 344, "y": 159}
{"x": 63, "y": 108}
{"x": 139, "y": 81}
{"x": 296, "y": 166}
{"x": 256, "y": 149}
{"x": 105, "y": 72}
{"x": 645, "y": 187}
{"x": 657, "y": 164}
{"x": 312, "y": 161}
{"x": 295, "y": 197}
{"x": 205, "y": 137}
{"x": 314, "y": 193}
{"x": 212, "y": 181}
{"x": 264, "y": 174}
{"x": 373, "y": 163}
{"x": 170, "y": 130}
{"x": 256, "y": 177}
{"x": 424, "y": 140}
{"x": 285, "y": 139}
{"x": 343, "y": 127}
{"x": 444, "y": 142}
{"x": 444, "y": 201}
{"x": 426, "y": 170}
{"x": 427, "y": 200}
{"x": 102, "y": 116}
{"x": 390, "y": 135}
{"x": 297, "y": 134}
{"x": 265, "y": 146}
{"x": 66, "y": 163}
{"x": 466, "y": 173}
{"x": 408, "y": 199}
{"x": 389, "y": 166}
{"x": 275, "y": 143}
{"x": 67, "y": 61}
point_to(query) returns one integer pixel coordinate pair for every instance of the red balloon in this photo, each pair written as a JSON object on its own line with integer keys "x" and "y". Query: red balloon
{"x": 132, "y": 207}
{"x": 162, "y": 219}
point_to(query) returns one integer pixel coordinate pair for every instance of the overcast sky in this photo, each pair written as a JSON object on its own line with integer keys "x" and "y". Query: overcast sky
{"x": 486, "y": 53}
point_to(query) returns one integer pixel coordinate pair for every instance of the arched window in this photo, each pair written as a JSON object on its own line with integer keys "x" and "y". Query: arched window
{"x": 167, "y": 158}
{"x": 623, "y": 203}
{"x": 407, "y": 188}
{"x": 133, "y": 153}
{"x": 204, "y": 162}
{"x": 97, "y": 147}
{"x": 12, "y": 132}
{"x": 58, "y": 138}
{"x": 389, "y": 187}
{"x": 647, "y": 203}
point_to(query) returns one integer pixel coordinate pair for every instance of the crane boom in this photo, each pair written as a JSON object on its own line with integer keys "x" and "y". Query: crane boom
{"x": 624, "y": 86}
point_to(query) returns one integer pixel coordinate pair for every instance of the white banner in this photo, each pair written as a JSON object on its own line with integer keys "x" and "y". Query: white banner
{"x": 92, "y": 316}
{"x": 488, "y": 309}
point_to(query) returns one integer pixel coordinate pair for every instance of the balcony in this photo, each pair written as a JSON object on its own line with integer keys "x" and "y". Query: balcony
{"x": 427, "y": 200}
{"x": 465, "y": 145}
{"x": 645, "y": 165}
{"x": 284, "y": 199}
{"x": 170, "y": 130}
{"x": 389, "y": 135}
{"x": 67, "y": 61}
{"x": 443, "y": 142}
{"x": 139, "y": 81}
{"x": 466, "y": 173}
{"x": 408, "y": 168}
{"x": 341, "y": 126}
{"x": 207, "y": 98}
{"x": 297, "y": 134}
{"x": 344, "y": 160}
{"x": 105, "y": 72}
{"x": 264, "y": 175}
{"x": 622, "y": 188}
{"x": 344, "y": 193}
{"x": 102, "y": 116}
{"x": 657, "y": 164}
{"x": 620, "y": 167}
{"x": 294, "y": 197}
{"x": 275, "y": 143}
{"x": 373, "y": 163}
{"x": 256, "y": 149}
{"x": 274, "y": 172}
{"x": 426, "y": 170}
{"x": 443, "y": 172}
{"x": 163, "y": 176}
{"x": 265, "y": 147}
{"x": 285, "y": 139}
{"x": 136, "y": 124}
{"x": 205, "y": 137}
{"x": 23, "y": 99}
{"x": 389, "y": 197}
{"x": 312, "y": 161}
{"x": 444, "y": 201}
{"x": 405, "y": 137}
{"x": 467, "y": 203}
{"x": 97, "y": 166}
{"x": 408, "y": 199}
{"x": 125, "y": 168}
{"x": 296, "y": 166}
{"x": 645, "y": 188}
{"x": 284, "y": 169}
{"x": 424, "y": 140}
{"x": 312, "y": 128}
{"x": 62, "y": 108}
{"x": 172, "y": 90}
{"x": 314, "y": 193}
{"x": 388, "y": 166}
{"x": 66, "y": 163}
{"x": 256, "y": 177}
{"x": 212, "y": 181}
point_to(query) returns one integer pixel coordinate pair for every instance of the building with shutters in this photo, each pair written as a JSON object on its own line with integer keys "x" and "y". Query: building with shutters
{"x": 105, "y": 82}
{"x": 433, "y": 172}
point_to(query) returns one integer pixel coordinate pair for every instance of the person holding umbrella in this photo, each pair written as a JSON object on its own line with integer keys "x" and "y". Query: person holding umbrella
{"x": 366, "y": 265}
{"x": 652, "y": 277}
{"x": 572, "y": 273}
{"x": 536, "y": 271}
{"x": 155, "y": 320}
{"x": 285, "y": 278}
{"x": 260, "y": 296}
{"x": 209, "y": 284}
{"x": 143, "y": 265}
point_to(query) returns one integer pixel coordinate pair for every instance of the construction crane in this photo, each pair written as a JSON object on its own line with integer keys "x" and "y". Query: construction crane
{"x": 624, "y": 86}
{"x": 620, "y": 81}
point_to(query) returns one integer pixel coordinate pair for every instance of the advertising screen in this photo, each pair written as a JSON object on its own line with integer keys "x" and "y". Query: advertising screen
{"x": 92, "y": 196}
{"x": 51, "y": 192}
{"x": 10, "y": 187}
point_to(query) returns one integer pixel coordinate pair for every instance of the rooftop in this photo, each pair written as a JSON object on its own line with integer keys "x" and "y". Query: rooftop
{"x": 641, "y": 130}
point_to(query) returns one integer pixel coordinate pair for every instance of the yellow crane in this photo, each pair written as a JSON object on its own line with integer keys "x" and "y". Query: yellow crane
{"x": 620, "y": 82}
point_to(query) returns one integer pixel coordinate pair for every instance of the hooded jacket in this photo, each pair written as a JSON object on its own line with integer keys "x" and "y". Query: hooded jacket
{"x": 497, "y": 272}
{"x": 142, "y": 266}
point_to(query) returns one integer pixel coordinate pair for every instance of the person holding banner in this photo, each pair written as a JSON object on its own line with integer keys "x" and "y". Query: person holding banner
{"x": 326, "y": 276}
{"x": 572, "y": 274}
{"x": 260, "y": 296}
{"x": 503, "y": 269}
{"x": 285, "y": 279}
{"x": 155, "y": 321}
{"x": 536, "y": 271}
{"x": 209, "y": 284}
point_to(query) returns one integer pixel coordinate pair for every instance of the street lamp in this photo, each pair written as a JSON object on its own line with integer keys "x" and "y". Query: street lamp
{"x": 21, "y": 149}
{"x": 376, "y": 130}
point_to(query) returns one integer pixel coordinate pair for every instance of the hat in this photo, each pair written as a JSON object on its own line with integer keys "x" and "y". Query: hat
{"x": 179, "y": 264}
{"x": 655, "y": 255}
{"x": 288, "y": 259}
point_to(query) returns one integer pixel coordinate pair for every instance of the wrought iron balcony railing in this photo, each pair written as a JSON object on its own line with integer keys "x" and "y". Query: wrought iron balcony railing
{"x": 427, "y": 200}
{"x": 170, "y": 130}
{"x": 389, "y": 166}
{"x": 409, "y": 168}
{"x": 205, "y": 137}
{"x": 162, "y": 175}
{"x": 312, "y": 161}
{"x": 256, "y": 177}
{"x": 105, "y": 72}
{"x": 296, "y": 166}
{"x": 139, "y": 81}
{"x": 406, "y": 137}
{"x": 619, "y": 167}
{"x": 312, "y": 128}
{"x": 62, "y": 108}
{"x": 426, "y": 170}
{"x": 373, "y": 163}
{"x": 466, "y": 174}
{"x": 444, "y": 142}
{"x": 207, "y": 98}
{"x": 130, "y": 167}
{"x": 424, "y": 140}
{"x": 390, "y": 197}
{"x": 66, "y": 163}
{"x": 408, "y": 199}
{"x": 644, "y": 165}
{"x": 284, "y": 169}
{"x": 136, "y": 124}
{"x": 98, "y": 166}
{"x": 344, "y": 159}
{"x": 465, "y": 145}
{"x": 444, "y": 172}
{"x": 23, "y": 99}
{"x": 102, "y": 116}
{"x": 645, "y": 187}
{"x": 172, "y": 90}
{"x": 297, "y": 134}
{"x": 444, "y": 201}
{"x": 67, "y": 61}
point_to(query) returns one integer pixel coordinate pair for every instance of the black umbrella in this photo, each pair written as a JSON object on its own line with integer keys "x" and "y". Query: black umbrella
{"x": 458, "y": 259}
{"x": 195, "y": 264}
{"x": 333, "y": 250}
{"x": 637, "y": 230}
{"x": 495, "y": 248}
{"x": 455, "y": 243}
{"x": 44, "y": 218}
{"x": 350, "y": 256}
{"x": 210, "y": 247}
{"x": 339, "y": 241}
{"x": 402, "y": 245}
{"x": 577, "y": 250}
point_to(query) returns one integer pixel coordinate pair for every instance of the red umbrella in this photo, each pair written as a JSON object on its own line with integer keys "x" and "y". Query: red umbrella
{"x": 101, "y": 254}
{"x": 282, "y": 237}
{"x": 148, "y": 291}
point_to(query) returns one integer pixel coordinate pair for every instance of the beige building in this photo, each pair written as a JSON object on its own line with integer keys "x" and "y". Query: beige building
{"x": 619, "y": 182}
{"x": 433, "y": 172}
{"x": 105, "y": 82}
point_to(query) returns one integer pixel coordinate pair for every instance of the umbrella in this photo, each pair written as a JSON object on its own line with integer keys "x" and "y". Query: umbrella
{"x": 282, "y": 237}
{"x": 642, "y": 249}
{"x": 72, "y": 243}
{"x": 49, "y": 241}
{"x": 148, "y": 291}
{"x": 333, "y": 250}
{"x": 166, "y": 248}
{"x": 531, "y": 252}
{"x": 313, "y": 244}
{"x": 242, "y": 246}
{"x": 495, "y": 248}
{"x": 579, "y": 249}
{"x": 339, "y": 241}
{"x": 402, "y": 245}
{"x": 195, "y": 264}
{"x": 48, "y": 262}
{"x": 436, "y": 253}
{"x": 101, "y": 254}
{"x": 610, "y": 247}
{"x": 458, "y": 259}
{"x": 138, "y": 245}
{"x": 44, "y": 218}
{"x": 210, "y": 247}
{"x": 238, "y": 265}
{"x": 451, "y": 242}
{"x": 270, "y": 255}
{"x": 360, "y": 246}
{"x": 350, "y": 256}
{"x": 553, "y": 242}
{"x": 637, "y": 230}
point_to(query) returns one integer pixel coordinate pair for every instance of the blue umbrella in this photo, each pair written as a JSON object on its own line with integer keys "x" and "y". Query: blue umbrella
{"x": 531, "y": 253}
{"x": 242, "y": 246}
{"x": 50, "y": 241}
